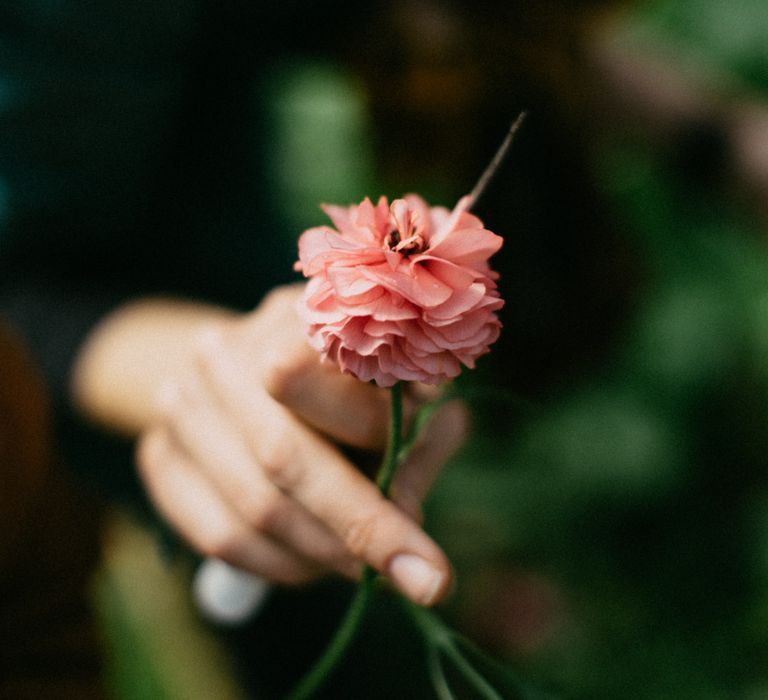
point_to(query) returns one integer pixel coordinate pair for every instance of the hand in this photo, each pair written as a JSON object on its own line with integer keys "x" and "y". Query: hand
{"x": 243, "y": 459}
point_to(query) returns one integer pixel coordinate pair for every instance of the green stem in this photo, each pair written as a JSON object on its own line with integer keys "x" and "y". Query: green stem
{"x": 437, "y": 676}
{"x": 394, "y": 442}
{"x": 345, "y": 633}
{"x": 420, "y": 419}
{"x": 439, "y": 636}
{"x": 471, "y": 674}
{"x": 435, "y": 631}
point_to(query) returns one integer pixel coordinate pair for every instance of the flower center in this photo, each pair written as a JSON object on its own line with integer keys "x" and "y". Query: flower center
{"x": 405, "y": 237}
{"x": 405, "y": 246}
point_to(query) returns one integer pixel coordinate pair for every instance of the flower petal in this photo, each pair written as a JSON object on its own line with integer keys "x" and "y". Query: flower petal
{"x": 467, "y": 246}
{"x": 419, "y": 287}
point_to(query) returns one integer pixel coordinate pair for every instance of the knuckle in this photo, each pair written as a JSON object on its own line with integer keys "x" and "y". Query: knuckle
{"x": 264, "y": 514}
{"x": 361, "y": 532}
{"x": 221, "y": 543}
{"x": 279, "y": 298}
{"x": 278, "y": 315}
{"x": 273, "y": 305}
{"x": 275, "y": 459}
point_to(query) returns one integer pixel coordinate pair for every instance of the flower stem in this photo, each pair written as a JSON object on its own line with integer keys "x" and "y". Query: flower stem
{"x": 496, "y": 161}
{"x": 345, "y": 633}
{"x": 394, "y": 442}
{"x": 437, "y": 675}
{"x": 316, "y": 677}
{"x": 469, "y": 672}
{"x": 440, "y": 638}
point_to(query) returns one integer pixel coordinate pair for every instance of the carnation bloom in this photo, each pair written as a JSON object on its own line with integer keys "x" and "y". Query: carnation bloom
{"x": 401, "y": 291}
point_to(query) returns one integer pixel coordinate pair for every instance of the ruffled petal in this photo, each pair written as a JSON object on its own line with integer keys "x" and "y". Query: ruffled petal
{"x": 458, "y": 218}
{"x": 419, "y": 287}
{"x": 375, "y": 220}
{"x": 467, "y": 246}
{"x": 423, "y": 219}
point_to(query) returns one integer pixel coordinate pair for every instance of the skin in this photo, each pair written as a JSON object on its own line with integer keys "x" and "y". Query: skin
{"x": 239, "y": 427}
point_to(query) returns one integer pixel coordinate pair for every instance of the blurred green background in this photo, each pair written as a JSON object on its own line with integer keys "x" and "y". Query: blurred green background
{"x": 611, "y": 541}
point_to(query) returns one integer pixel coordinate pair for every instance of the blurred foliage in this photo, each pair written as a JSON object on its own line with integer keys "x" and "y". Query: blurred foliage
{"x": 726, "y": 37}
{"x": 636, "y": 502}
{"x": 612, "y": 542}
{"x": 320, "y": 139}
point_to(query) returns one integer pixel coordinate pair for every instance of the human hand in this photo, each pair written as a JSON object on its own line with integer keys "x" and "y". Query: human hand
{"x": 242, "y": 459}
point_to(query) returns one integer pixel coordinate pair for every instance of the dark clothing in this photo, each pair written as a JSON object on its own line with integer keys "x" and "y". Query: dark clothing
{"x": 49, "y": 545}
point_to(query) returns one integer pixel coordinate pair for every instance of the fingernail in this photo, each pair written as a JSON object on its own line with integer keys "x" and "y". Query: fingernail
{"x": 416, "y": 577}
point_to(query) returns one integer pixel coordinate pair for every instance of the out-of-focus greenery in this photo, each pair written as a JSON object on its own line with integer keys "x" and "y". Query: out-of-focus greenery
{"x": 320, "y": 140}
{"x": 635, "y": 505}
{"x": 728, "y": 37}
{"x": 158, "y": 647}
{"x": 612, "y": 540}
{"x": 613, "y": 543}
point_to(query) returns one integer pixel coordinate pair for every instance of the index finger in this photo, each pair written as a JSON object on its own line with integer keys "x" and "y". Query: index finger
{"x": 372, "y": 527}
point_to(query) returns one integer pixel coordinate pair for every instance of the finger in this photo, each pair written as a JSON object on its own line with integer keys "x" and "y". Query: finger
{"x": 438, "y": 441}
{"x": 372, "y": 527}
{"x": 207, "y": 436}
{"x": 305, "y": 466}
{"x": 203, "y": 519}
{"x": 344, "y": 408}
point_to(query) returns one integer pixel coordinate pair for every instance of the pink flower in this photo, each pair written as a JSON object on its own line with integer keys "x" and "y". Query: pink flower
{"x": 400, "y": 292}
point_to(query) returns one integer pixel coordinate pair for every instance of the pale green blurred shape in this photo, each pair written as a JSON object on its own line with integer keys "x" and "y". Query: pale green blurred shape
{"x": 320, "y": 145}
{"x": 606, "y": 443}
{"x": 158, "y": 646}
{"x": 726, "y": 38}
